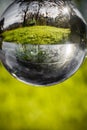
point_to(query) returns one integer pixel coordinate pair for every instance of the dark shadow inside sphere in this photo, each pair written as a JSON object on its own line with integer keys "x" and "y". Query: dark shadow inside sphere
{"x": 54, "y": 63}
{"x": 42, "y": 42}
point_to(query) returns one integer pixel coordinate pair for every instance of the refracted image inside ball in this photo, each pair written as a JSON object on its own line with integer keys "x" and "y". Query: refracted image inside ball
{"x": 42, "y": 42}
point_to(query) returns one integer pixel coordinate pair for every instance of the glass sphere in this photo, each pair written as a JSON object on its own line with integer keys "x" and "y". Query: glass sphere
{"x": 42, "y": 42}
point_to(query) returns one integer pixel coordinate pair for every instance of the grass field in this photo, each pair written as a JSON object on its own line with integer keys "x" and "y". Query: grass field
{"x": 60, "y": 107}
{"x": 37, "y": 35}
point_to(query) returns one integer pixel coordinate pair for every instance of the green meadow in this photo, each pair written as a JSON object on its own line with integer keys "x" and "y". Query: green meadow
{"x": 59, "y": 107}
{"x": 36, "y": 35}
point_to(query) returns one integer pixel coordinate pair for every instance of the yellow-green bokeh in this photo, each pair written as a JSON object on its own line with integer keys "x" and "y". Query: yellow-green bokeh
{"x": 60, "y": 107}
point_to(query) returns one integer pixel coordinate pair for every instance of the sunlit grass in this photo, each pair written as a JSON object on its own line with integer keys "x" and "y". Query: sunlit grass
{"x": 60, "y": 107}
{"x": 37, "y": 35}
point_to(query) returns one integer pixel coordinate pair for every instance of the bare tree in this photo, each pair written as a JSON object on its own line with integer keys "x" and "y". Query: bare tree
{"x": 24, "y": 15}
{"x": 28, "y": 17}
{"x": 1, "y": 25}
{"x": 28, "y": 1}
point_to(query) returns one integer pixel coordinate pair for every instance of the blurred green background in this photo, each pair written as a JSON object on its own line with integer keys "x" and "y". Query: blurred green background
{"x": 60, "y": 107}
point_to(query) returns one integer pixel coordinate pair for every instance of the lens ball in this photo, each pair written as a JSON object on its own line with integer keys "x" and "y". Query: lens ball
{"x": 42, "y": 42}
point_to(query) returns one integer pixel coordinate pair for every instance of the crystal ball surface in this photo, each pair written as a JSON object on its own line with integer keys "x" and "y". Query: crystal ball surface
{"x": 42, "y": 42}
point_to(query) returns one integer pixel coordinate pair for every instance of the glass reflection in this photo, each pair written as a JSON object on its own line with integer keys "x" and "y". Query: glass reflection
{"x": 42, "y": 42}
{"x": 43, "y": 64}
